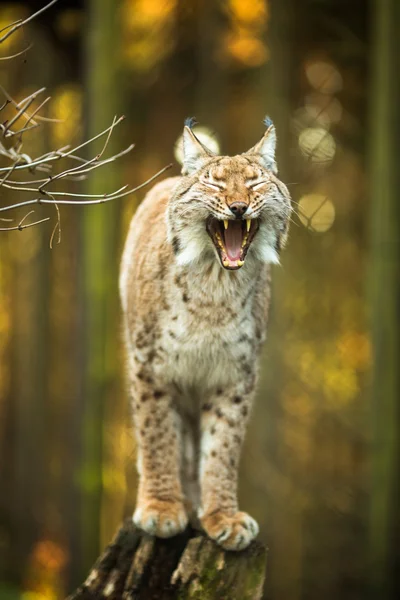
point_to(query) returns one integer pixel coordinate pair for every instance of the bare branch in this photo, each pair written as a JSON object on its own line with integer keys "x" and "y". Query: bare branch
{"x": 17, "y": 54}
{"x": 35, "y": 112}
{"x": 19, "y": 114}
{"x": 16, "y": 162}
{"x": 9, "y": 172}
{"x": 20, "y": 22}
{"x": 99, "y": 200}
{"x": 58, "y": 154}
{"x": 12, "y": 133}
{"x": 18, "y": 104}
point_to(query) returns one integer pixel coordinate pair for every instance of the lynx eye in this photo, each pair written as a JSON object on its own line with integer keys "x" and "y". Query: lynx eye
{"x": 256, "y": 186}
{"x": 213, "y": 186}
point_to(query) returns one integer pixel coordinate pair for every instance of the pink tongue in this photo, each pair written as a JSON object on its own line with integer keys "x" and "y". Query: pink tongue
{"x": 233, "y": 240}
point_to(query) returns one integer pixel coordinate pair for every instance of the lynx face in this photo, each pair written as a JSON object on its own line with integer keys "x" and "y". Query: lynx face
{"x": 232, "y": 207}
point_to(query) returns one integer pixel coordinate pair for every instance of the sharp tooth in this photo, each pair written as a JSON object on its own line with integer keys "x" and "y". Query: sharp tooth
{"x": 244, "y": 241}
{"x": 225, "y": 263}
{"x": 226, "y": 223}
{"x": 240, "y": 263}
{"x": 248, "y": 224}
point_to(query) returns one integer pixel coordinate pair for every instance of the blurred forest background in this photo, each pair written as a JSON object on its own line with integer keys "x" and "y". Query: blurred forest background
{"x": 319, "y": 468}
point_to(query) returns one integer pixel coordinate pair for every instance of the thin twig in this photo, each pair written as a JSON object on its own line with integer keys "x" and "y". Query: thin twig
{"x": 37, "y": 110}
{"x": 22, "y": 226}
{"x": 17, "y": 54}
{"x": 18, "y": 115}
{"x": 9, "y": 26}
{"x": 20, "y": 131}
{"x": 57, "y": 155}
{"x": 20, "y": 161}
{"x": 21, "y": 22}
{"x": 17, "y": 105}
{"x": 9, "y": 172}
{"x": 104, "y": 198}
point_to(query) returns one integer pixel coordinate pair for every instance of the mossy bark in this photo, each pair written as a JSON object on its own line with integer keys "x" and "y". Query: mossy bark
{"x": 136, "y": 566}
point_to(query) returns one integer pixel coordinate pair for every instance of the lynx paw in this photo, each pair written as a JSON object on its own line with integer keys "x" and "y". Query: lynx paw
{"x": 161, "y": 518}
{"x": 231, "y": 532}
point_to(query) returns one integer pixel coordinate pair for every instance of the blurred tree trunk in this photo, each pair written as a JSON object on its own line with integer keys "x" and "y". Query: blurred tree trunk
{"x": 385, "y": 297}
{"x": 210, "y": 101}
{"x": 99, "y": 270}
{"x": 279, "y": 86}
{"x": 283, "y": 527}
{"x": 24, "y": 469}
{"x": 28, "y": 426}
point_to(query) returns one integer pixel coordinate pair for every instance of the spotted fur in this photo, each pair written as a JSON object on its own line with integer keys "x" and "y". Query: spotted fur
{"x": 193, "y": 333}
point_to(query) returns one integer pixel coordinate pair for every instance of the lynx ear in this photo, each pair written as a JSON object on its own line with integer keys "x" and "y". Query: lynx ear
{"x": 195, "y": 155}
{"x": 265, "y": 148}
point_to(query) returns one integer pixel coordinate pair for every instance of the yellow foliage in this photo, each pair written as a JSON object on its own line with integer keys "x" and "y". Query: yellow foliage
{"x": 49, "y": 555}
{"x": 29, "y": 595}
{"x": 146, "y": 52}
{"x": 69, "y": 23}
{"x": 309, "y": 370}
{"x": 245, "y": 49}
{"x": 254, "y": 12}
{"x": 147, "y": 31}
{"x": 243, "y": 44}
{"x": 66, "y": 107}
{"x": 44, "y": 571}
{"x": 146, "y": 13}
{"x": 355, "y": 349}
{"x": 298, "y": 405}
{"x": 298, "y": 439}
{"x": 113, "y": 480}
{"x": 5, "y": 320}
{"x": 27, "y": 248}
{"x": 329, "y": 369}
{"x": 9, "y": 13}
{"x": 340, "y": 385}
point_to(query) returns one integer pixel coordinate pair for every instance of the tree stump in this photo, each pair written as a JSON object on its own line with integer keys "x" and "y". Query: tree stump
{"x": 137, "y": 566}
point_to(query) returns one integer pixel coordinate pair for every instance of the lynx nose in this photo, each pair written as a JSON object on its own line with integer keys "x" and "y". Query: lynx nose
{"x": 238, "y": 208}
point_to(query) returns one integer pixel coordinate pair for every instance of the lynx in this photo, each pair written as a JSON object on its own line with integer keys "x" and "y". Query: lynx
{"x": 195, "y": 290}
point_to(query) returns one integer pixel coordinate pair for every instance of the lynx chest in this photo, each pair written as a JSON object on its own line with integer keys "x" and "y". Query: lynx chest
{"x": 205, "y": 337}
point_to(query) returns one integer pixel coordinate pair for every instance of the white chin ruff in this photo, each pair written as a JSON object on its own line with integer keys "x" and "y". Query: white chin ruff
{"x": 264, "y": 246}
{"x": 268, "y": 254}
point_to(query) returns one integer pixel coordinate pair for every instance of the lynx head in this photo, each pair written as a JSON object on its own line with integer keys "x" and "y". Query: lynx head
{"x": 230, "y": 208}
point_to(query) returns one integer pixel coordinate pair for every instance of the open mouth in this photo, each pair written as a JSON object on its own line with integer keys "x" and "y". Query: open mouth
{"x": 232, "y": 239}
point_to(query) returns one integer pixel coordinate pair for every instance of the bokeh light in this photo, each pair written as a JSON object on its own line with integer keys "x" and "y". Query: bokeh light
{"x": 147, "y": 32}
{"x": 243, "y": 44}
{"x": 317, "y": 144}
{"x": 69, "y": 23}
{"x": 245, "y": 49}
{"x": 316, "y": 212}
{"x": 323, "y": 110}
{"x": 324, "y": 77}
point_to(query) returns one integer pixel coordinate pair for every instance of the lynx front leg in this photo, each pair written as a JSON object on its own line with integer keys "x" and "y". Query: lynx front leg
{"x": 223, "y": 422}
{"x": 160, "y": 509}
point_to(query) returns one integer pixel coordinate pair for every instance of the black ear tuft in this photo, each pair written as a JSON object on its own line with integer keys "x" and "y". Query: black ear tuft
{"x": 190, "y": 122}
{"x": 268, "y": 122}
